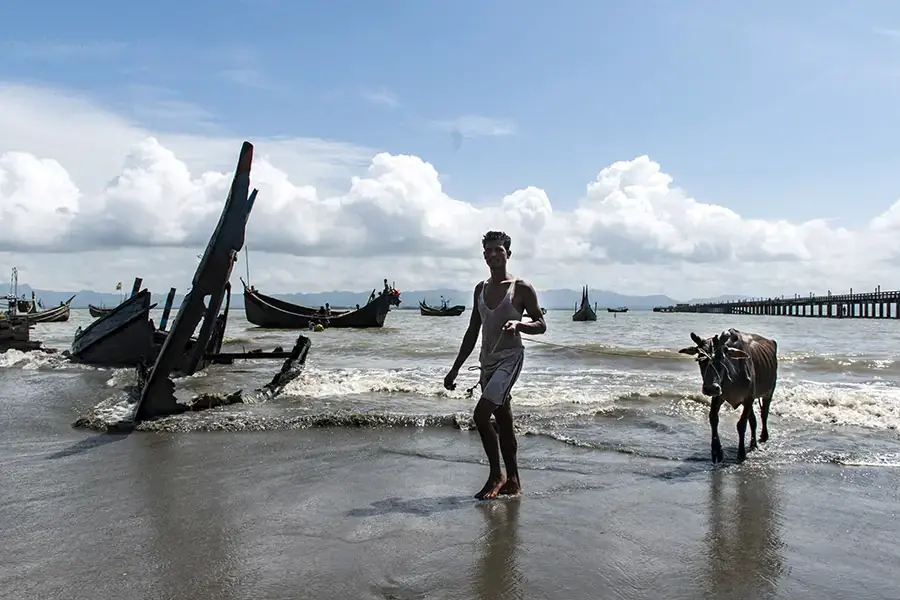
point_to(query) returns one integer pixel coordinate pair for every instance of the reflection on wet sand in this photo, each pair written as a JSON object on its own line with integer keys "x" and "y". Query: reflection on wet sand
{"x": 186, "y": 531}
{"x": 744, "y": 546}
{"x": 497, "y": 573}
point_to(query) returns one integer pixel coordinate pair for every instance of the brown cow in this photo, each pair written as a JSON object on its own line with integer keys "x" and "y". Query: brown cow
{"x": 737, "y": 368}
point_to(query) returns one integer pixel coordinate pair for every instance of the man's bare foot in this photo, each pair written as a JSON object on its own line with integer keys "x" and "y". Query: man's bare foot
{"x": 491, "y": 488}
{"x": 510, "y": 488}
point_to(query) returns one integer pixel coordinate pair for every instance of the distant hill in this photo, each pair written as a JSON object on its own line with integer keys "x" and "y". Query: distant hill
{"x": 550, "y": 299}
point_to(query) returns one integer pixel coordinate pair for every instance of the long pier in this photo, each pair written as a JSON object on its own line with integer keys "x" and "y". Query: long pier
{"x": 868, "y": 305}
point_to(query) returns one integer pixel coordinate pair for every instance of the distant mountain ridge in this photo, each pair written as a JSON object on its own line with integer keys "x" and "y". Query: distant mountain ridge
{"x": 550, "y": 299}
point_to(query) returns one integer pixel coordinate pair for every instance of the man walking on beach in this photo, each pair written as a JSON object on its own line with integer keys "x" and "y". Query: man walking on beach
{"x": 499, "y": 303}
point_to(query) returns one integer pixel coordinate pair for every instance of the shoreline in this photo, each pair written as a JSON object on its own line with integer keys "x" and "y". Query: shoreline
{"x": 389, "y": 513}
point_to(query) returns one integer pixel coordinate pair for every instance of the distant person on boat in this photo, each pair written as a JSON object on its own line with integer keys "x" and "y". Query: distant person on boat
{"x": 501, "y": 300}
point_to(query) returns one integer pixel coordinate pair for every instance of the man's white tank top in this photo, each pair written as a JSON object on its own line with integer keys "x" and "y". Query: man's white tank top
{"x": 494, "y": 341}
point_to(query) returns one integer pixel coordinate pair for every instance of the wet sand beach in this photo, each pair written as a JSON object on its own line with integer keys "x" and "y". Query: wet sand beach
{"x": 357, "y": 482}
{"x": 388, "y": 513}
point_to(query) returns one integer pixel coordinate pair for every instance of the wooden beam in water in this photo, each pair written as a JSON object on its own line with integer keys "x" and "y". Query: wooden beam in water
{"x": 230, "y": 357}
{"x": 164, "y": 320}
{"x": 203, "y": 301}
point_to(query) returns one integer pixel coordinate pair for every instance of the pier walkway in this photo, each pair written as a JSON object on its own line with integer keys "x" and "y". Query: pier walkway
{"x": 869, "y": 305}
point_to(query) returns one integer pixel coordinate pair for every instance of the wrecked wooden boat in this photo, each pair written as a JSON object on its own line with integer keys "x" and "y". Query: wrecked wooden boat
{"x": 272, "y": 313}
{"x": 15, "y": 334}
{"x": 200, "y": 306}
{"x": 585, "y": 312}
{"x": 122, "y": 337}
{"x": 127, "y": 337}
{"x": 444, "y": 310}
{"x": 213, "y": 346}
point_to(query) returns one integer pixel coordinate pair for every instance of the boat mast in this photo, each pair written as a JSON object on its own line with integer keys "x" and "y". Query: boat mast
{"x": 13, "y": 297}
{"x": 247, "y": 261}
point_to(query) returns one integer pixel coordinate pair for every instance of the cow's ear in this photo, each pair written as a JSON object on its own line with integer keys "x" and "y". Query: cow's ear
{"x": 691, "y": 350}
{"x": 697, "y": 339}
{"x": 737, "y": 354}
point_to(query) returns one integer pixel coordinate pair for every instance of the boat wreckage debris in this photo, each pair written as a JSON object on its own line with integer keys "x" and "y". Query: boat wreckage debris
{"x": 295, "y": 360}
{"x": 183, "y": 354}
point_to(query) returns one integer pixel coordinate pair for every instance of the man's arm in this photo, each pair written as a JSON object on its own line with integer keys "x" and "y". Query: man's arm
{"x": 537, "y": 325}
{"x": 470, "y": 338}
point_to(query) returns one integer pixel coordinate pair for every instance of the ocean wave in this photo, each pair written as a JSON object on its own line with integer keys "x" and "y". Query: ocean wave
{"x": 546, "y": 389}
{"x": 37, "y": 360}
{"x": 842, "y": 363}
{"x": 556, "y": 357}
{"x": 243, "y": 419}
{"x": 352, "y": 400}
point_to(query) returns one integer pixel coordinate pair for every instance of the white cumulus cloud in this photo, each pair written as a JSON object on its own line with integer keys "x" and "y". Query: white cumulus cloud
{"x": 87, "y": 197}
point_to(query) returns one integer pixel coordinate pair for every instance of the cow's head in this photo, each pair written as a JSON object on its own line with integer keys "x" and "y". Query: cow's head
{"x": 714, "y": 358}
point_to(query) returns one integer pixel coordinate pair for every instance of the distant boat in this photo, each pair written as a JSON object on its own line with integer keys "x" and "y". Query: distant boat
{"x": 271, "y": 313}
{"x": 621, "y": 309}
{"x": 444, "y": 310}
{"x": 99, "y": 311}
{"x": 585, "y": 312}
{"x": 57, "y": 314}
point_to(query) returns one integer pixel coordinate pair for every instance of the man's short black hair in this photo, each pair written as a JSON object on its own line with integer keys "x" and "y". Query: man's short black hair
{"x": 493, "y": 236}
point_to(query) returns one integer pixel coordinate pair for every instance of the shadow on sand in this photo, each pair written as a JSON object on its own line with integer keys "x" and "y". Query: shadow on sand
{"x": 416, "y": 506}
{"x": 89, "y": 443}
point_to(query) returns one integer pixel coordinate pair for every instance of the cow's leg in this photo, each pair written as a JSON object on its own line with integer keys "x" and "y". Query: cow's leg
{"x": 742, "y": 428}
{"x": 715, "y": 445}
{"x": 752, "y": 420}
{"x": 764, "y": 418}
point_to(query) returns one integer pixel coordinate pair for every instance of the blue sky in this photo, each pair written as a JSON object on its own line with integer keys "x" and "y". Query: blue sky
{"x": 785, "y": 110}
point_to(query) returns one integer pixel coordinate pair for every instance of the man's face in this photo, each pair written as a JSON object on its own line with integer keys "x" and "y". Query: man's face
{"x": 495, "y": 254}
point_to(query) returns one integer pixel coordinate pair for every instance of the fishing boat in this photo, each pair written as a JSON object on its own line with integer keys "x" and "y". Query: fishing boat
{"x": 15, "y": 330}
{"x": 57, "y": 314}
{"x": 272, "y": 313}
{"x": 27, "y": 309}
{"x": 444, "y": 310}
{"x": 99, "y": 311}
{"x": 23, "y": 306}
{"x": 584, "y": 311}
{"x": 122, "y": 337}
{"x": 621, "y": 309}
